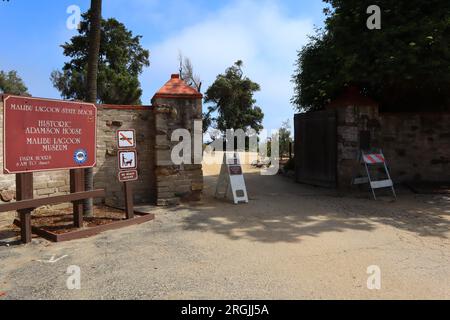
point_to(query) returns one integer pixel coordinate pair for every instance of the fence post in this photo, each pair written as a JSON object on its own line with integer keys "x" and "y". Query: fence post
{"x": 24, "y": 191}
{"x": 77, "y": 185}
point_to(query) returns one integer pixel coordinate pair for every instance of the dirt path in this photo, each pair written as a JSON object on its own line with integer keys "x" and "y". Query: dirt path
{"x": 290, "y": 242}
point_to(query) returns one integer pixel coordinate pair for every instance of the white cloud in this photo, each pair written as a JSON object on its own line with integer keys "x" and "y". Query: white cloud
{"x": 258, "y": 32}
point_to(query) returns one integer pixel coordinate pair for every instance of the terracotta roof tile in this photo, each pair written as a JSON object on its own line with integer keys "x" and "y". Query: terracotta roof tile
{"x": 177, "y": 88}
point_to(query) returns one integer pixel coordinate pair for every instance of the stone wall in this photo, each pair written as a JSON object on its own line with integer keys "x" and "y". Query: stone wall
{"x": 416, "y": 145}
{"x": 111, "y": 119}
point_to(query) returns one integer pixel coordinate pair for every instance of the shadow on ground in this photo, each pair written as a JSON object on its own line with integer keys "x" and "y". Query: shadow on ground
{"x": 283, "y": 211}
{"x": 9, "y": 238}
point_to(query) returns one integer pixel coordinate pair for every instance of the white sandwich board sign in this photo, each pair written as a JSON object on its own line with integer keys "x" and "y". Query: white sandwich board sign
{"x": 232, "y": 179}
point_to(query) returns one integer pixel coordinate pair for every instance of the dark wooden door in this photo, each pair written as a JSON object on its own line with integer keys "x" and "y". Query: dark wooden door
{"x": 316, "y": 148}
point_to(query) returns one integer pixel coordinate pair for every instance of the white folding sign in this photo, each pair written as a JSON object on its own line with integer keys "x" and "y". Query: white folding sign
{"x": 232, "y": 178}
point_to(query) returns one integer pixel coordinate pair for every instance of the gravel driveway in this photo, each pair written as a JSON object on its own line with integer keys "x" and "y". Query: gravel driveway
{"x": 290, "y": 242}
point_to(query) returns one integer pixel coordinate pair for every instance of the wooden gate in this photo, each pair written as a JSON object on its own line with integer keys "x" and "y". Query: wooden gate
{"x": 316, "y": 148}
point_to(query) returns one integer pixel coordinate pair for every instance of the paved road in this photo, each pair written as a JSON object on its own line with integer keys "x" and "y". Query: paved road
{"x": 290, "y": 242}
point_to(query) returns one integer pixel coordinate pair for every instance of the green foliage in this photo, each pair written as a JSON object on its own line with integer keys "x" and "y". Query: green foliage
{"x": 207, "y": 121}
{"x": 404, "y": 66}
{"x": 231, "y": 96}
{"x": 121, "y": 60}
{"x": 285, "y": 138}
{"x": 11, "y": 83}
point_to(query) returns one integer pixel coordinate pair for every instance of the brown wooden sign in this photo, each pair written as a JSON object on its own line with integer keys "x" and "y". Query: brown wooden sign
{"x": 127, "y": 176}
{"x": 43, "y": 134}
{"x": 127, "y": 162}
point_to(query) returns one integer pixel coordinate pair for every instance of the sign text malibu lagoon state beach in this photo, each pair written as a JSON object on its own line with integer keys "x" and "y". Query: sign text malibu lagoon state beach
{"x": 41, "y": 134}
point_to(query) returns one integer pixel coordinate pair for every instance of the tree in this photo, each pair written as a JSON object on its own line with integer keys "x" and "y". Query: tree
{"x": 94, "y": 37}
{"x": 285, "y": 138}
{"x": 231, "y": 96}
{"x": 404, "y": 66}
{"x": 11, "y": 83}
{"x": 194, "y": 81}
{"x": 187, "y": 73}
{"x": 121, "y": 61}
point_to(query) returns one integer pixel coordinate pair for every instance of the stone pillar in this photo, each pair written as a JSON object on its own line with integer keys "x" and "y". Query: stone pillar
{"x": 358, "y": 127}
{"x": 177, "y": 106}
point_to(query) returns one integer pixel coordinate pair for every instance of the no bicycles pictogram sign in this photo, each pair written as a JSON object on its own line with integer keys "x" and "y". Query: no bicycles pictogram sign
{"x": 126, "y": 139}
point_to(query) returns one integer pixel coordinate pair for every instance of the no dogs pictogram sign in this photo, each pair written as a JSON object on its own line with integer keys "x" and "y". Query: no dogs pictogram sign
{"x": 126, "y": 138}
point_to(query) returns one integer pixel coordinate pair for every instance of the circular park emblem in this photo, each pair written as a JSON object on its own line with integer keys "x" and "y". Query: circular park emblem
{"x": 80, "y": 156}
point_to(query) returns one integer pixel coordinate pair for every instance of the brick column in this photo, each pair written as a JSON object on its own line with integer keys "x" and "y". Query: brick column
{"x": 177, "y": 106}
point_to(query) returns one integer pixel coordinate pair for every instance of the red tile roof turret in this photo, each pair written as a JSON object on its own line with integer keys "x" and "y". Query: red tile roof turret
{"x": 176, "y": 88}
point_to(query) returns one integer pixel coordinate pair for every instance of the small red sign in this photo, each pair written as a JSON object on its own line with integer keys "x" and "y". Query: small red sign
{"x": 44, "y": 134}
{"x": 127, "y": 176}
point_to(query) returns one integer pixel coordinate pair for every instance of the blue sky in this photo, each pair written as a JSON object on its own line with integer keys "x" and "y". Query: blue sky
{"x": 265, "y": 34}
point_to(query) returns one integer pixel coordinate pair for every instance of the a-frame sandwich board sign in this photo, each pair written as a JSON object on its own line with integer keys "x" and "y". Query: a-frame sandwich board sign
{"x": 232, "y": 179}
